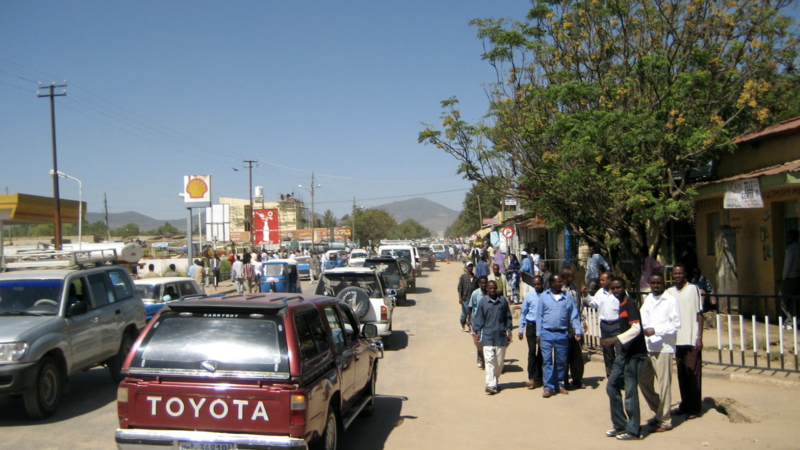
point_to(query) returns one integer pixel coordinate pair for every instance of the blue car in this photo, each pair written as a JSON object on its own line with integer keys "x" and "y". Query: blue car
{"x": 156, "y": 292}
{"x": 280, "y": 275}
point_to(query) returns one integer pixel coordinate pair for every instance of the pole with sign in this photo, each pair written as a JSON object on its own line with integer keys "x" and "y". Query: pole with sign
{"x": 196, "y": 194}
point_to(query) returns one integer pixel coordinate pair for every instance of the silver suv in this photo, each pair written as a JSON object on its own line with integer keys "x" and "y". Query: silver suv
{"x": 60, "y": 314}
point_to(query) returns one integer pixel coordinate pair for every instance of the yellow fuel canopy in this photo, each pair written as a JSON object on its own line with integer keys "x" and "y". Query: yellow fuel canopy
{"x": 24, "y": 209}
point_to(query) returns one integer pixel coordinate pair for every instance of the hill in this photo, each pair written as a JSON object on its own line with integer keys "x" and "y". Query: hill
{"x": 430, "y": 214}
{"x": 145, "y": 223}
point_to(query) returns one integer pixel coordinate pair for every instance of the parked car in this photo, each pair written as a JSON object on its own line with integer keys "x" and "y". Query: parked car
{"x": 405, "y": 256}
{"x": 393, "y": 276}
{"x": 303, "y": 267}
{"x": 60, "y": 315}
{"x": 280, "y": 275}
{"x": 364, "y": 290}
{"x": 262, "y": 371}
{"x": 439, "y": 251}
{"x": 156, "y": 292}
{"x": 426, "y": 257}
{"x": 357, "y": 257}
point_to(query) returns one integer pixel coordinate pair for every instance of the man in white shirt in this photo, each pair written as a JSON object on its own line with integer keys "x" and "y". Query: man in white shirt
{"x": 661, "y": 320}
{"x": 534, "y": 256}
{"x": 689, "y": 352}
{"x": 607, "y": 306}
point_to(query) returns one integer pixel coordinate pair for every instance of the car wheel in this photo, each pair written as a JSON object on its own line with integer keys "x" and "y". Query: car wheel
{"x": 405, "y": 266}
{"x": 115, "y": 363}
{"x": 357, "y": 298}
{"x": 42, "y": 400}
{"x": 369, "y": 409}
{"x": 330, "y": 436}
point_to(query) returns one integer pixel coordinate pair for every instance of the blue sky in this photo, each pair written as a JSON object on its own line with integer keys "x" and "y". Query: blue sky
{"x": 161, "y": 89}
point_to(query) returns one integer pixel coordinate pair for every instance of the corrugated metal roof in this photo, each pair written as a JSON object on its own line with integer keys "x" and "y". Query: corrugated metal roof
{"x": 791, "y": 166}
{"x": 786, "y": 126}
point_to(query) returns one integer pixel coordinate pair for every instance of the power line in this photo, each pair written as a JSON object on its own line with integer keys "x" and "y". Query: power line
{"x": 397, "y": 196}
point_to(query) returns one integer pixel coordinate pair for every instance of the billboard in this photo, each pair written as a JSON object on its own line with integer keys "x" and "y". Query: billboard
{"x": 197, "y": 191}
{"x": 266, "y": 226}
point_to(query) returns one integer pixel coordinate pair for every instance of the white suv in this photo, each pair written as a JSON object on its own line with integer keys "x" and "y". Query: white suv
{"x": 406, "y": 255}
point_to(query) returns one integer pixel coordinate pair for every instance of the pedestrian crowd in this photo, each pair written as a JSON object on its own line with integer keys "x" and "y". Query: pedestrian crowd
{"x": 640, "y": 345}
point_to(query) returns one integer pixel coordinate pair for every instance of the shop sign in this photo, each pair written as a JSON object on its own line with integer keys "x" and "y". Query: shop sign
{"x": 740, "y": 194}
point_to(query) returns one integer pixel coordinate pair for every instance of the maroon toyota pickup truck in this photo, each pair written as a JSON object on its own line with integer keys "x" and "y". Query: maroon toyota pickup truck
{"x": 261, "y": 371}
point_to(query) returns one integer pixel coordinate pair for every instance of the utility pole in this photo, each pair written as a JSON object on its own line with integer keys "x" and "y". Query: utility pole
{"x": 250, "y": 164}
{"x": 353, "y": 237}
{"x": 480, "y": 214}
{"x": 105, "y": 206}
{"x": 56, "y": 199}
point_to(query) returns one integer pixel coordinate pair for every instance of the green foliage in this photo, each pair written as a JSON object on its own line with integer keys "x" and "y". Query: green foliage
{"x": 409, "y": 229}
{"x": 373, "y": 224}
{"x": 601, "y": 104}
{"x": 470, "y": 219}
{"x": 328, "y": 219}
{"x": 126, "y": 231}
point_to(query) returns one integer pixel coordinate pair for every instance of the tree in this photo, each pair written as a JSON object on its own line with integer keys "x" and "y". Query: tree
{"x": 328, "y": 219}
{"x": 479, "y": 203}
{"x": 409, "y": 229}
{"x": 167, "y": 230}
{"x": 600, "y": 109}
{"x": 373, "y": 224}
{"x": 126, "y": 231}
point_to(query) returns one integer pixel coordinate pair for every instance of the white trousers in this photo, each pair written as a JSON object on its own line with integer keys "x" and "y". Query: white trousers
{"x": 493, "y": 358}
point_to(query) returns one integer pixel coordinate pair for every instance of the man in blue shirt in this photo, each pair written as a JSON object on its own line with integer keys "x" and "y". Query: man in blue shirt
{"x": 493, "y": 323}
{"x": 555, "y": 314}
{"x": 472, "y": 308}
{"x": 482, "y": 269}
{"x": 594, "y": 267}
{"x": 527, "y": 326}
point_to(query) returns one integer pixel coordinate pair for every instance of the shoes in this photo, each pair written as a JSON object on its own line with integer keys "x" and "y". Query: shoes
{"x": 577, "y": 385}
{"x": 529, "y": 384}
{"x": 547, "y": 393}
{"x": 652, "y": 422}
{"x": 628, "y": 437}
{"x": 788, "y": 327}
{"x": 491, "y": 390}
{"x": 691, "y": 416}
{"x": 481, "y": 366}
{"x": 662, "y": 429}
{"x": 563, "y": 390}
{"x": 614, "y": 432}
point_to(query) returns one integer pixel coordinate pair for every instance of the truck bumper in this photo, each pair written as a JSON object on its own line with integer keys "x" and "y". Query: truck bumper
{"x": 16, "y": 378}
{"x": 145, "y": 439}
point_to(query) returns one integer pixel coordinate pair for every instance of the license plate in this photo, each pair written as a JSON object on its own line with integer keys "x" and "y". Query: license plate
{"x": 205, "y": 446}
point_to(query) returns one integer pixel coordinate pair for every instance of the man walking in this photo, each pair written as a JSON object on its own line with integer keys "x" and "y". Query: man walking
{"x": 688, "y": 354}
{"x": 661, "y": 320}
{"x": 555, "y": 314}
{"x": 502, "y": 282}
{"x": 493, "y": 323}
{"x": 472, "y": 308}
{"x": 237, "y": 273}
{"x": 627, "y": 367}
{"x": 607, "y": 306}
{"x": 527, "y": 326}
{"x": 482, "y": 268}
{"x": 574, "y": 348}
{"x": 466, "y": 286}
{"x": 151, "y": 272}
{"x": 594, "y": 266}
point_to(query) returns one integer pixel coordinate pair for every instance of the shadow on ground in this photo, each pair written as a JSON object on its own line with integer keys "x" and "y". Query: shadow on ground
{"x": 90, "y": 391}
{"x": 371, "y": 433}
{"x": 398, "y": 341}
{"x": 422, "y": 290}
{"x": 407, "y": 303}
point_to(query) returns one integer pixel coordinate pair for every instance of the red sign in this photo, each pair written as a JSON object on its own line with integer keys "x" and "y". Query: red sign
{"x": 508, "y": 232}
{"x": 266, "y": 226}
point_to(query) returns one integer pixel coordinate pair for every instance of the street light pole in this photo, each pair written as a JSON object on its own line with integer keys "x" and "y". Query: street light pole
{"x": 313, "y": 226}
{"x": 250, "y": 219}
{"x": 80, "y": 206}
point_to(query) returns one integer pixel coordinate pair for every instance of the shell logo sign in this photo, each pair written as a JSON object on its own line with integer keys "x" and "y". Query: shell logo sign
{"x": 197, "y": 189}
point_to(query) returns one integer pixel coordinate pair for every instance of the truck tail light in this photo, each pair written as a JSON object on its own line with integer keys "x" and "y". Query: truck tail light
{"x": 298, "y": 410}
{"x": 122, "y": 403}
{"x": 384, "y": 313}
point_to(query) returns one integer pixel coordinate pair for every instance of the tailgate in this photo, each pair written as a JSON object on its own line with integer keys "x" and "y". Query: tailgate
{"x": 232, "y": 408}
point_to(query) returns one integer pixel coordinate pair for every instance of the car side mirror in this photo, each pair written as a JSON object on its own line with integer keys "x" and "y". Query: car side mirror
{"x": 370, "y": 330}
{"x": 391, "y": 292}
{"x": 78, "y": 308}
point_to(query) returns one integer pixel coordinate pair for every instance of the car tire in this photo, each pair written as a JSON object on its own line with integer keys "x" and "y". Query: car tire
{"x": 405, "y": 266}
{"x": 413, "y": 287}
{"x": 42, "y": 400}
{"x": 115, "y": 363}
{"x": 330, "y": 436}
{"x": 357, "y": 298}
{"x": 369, "y": 409}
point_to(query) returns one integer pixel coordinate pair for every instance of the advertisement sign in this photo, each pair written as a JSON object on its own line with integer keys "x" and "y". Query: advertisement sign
{"x": 740, "y": 194}
{"x": 339, "y": 233}
{"x": 218, "y": 222}
{"x": 511, "y": 201}
{"x": 488, "y": 221}
{"x": 197, "y": 191}
{"x": 240, "y": 236}
{"x": 266, "y": 226}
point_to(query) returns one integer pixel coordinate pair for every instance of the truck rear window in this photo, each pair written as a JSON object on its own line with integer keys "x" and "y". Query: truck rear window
{"x": 214, "y": 344}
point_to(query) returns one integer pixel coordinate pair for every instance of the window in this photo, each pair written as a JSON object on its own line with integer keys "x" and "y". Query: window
{"x": 350, "y": 325}
{"x": 100, "y": 293}
{"x": 187, "y": 288}
{"x": 310, "y": 334}
{"x": 121, "y": 283}
{"x": 337, "y": 331}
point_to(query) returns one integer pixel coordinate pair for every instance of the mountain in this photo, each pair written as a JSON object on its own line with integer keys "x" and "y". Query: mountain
{"x": 145, "y": 223}
{"x": 430, "y": 214}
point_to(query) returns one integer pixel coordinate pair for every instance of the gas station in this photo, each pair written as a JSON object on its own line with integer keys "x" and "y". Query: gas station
{"x": 25, "y": 209}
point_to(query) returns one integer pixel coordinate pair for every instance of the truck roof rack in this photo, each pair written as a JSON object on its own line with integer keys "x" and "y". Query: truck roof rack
{"x": 58, "y": 259}
{"x": 396, "y": 242}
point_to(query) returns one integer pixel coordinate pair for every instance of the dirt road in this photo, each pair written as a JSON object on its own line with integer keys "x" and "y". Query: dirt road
{"x": 432, "y": 396}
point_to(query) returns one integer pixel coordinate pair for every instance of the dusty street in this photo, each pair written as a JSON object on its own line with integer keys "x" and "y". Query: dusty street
{"x": 431, "y": 397}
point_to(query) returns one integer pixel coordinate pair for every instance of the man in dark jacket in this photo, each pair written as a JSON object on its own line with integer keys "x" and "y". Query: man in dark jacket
{"x": 493, "y": 324}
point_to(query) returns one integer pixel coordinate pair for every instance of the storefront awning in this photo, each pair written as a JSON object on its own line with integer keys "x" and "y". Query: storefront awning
{"x": 774, "y": 176}
{"x": 23, "y": 209}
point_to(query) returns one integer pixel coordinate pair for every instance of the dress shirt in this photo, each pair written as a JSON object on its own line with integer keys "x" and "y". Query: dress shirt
{"x": 530, "y": 309}
{"x": 493, "y": 321}
{"x": 606, "y": 304}
{"x": 663, "y": 315}
{"x": 791, "y": 264}
{"x": 557, "y": 314}
{"x": 690, "y": 303}
{"x": 237, "y": 271}
{"x": 594, "y": 264}
{"x": 527, "y": 265}
{"x": 482, "y": 269}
